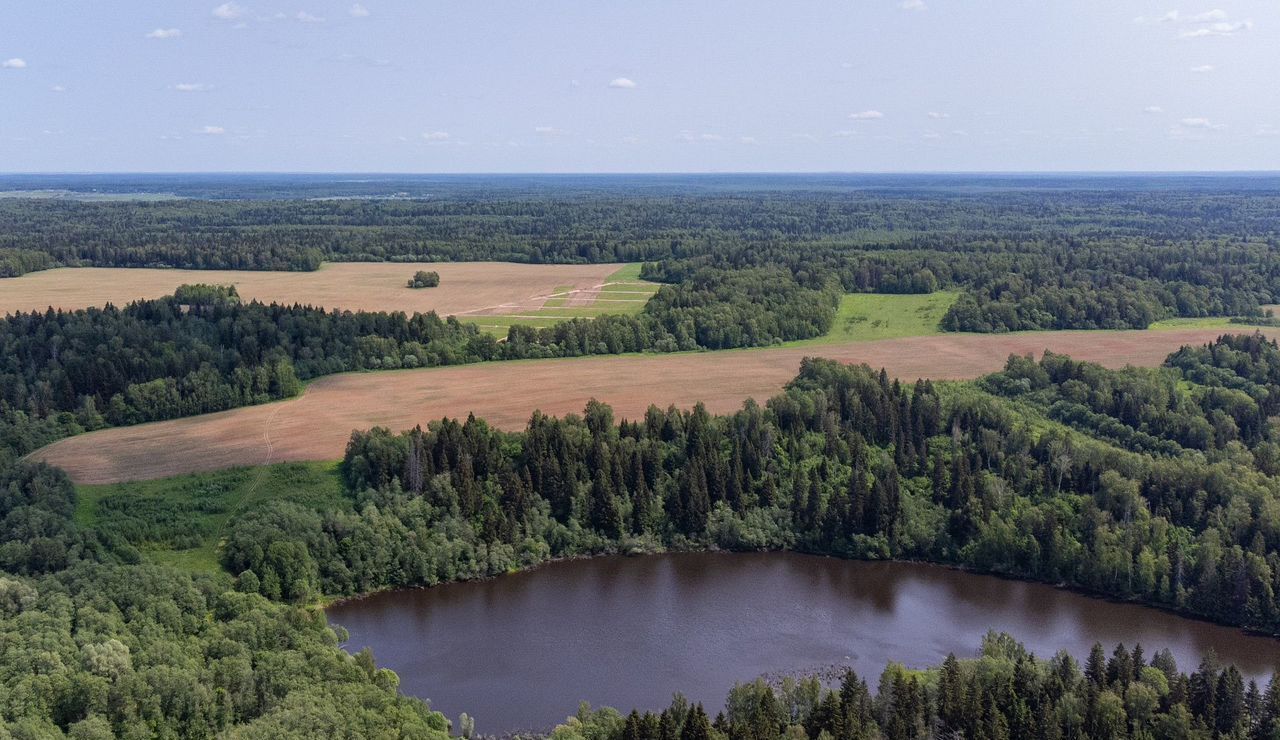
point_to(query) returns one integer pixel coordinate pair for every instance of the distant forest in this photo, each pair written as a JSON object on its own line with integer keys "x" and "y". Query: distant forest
{"x": 1025, "y": 257}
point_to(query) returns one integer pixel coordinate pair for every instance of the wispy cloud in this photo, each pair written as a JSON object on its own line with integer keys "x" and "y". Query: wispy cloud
{"x": 358, "y": 11}
{"x": 1201, "y": 123}
{"x": 1203, "y": 68}
{"x": 548, "y": 131}
{"x": 1217, "y": 29}
{"x": 913, "y": 5}
{"x": 229, "y": 11}
{"x": 211, "y": 130}
{"x": 192, "y": 87}
{"x": 1214, "y": 22}
{"x": 866, "y": 115}
{"x": 305, "y": 17}
{"x": 1153, "y": 110}
{"x": 936, "y": 115}
{"x": 58, "y": 88}
{"x": 165, "y": 33}
{"x": 622, "y": 83}
{"x": 435, "y": 136}
{"x": 14, "y": 63}
{"x": 748, "y": 140}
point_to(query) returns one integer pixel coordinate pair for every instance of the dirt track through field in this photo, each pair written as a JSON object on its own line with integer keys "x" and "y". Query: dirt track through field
{"x": 465, "y": 287}
{"x": 317, "y": 425}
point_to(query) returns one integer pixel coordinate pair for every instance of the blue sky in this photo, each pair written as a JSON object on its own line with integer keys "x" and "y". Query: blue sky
{"x": 638, "y": 85}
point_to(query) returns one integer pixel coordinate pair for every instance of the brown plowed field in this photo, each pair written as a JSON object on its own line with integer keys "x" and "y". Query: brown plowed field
{"x": 317, "y": 425}
{"x": 371, "y": 286}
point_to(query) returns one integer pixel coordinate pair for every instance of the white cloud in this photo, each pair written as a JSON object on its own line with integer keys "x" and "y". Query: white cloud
{"x": 710, "y": 137}
{"x": 913, "y": 5}
{"x": 1201, "y": 123}
{"x": 630, "y": 140}
{"x": 1209, "y": 16}
{"x": 14, "y": 63}
{"x": 866, "y": 115}
{"x": 306, "y": 17}
{"x": 931, "y": 135}
{"x": 229, "y": 11}
{"x": 211, "y": 130}
{"x": 192, "y": 87}
{"x": 1209, "y": 23}
{"x": 748, "y": 140}
{"x": 845, "y": 133}
{"x": 358, "y": 11}
{"x": 1222, "y": 28}
{"x": 1266, "y": 129}
{"x": 1202, "y": 68}
{"x": 58, "y": 88}
{"x": 548, "y": 131}
{"x": 622, "y": 83}
{"x": 165, "y": 33}
{"x": 938, "y": 116}
{"x": 435, "y": 135}
{"x": 1153, "y": 109}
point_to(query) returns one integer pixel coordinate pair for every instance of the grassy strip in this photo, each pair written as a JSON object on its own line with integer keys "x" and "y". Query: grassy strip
{"x": 180, "y": 521}
{"x": 625, "y": 295}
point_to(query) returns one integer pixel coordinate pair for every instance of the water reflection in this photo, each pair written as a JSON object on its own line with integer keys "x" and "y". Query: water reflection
{"x": 521, "y": 651}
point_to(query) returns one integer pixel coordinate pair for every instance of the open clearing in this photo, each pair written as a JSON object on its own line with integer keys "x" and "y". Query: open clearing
{"x": 180, "y": 521}
{"x": 621, "y": 292}
{"x": 467, "y": 289}
{"x": 316, "y": 425}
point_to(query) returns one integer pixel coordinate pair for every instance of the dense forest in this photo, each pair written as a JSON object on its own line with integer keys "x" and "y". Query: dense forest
{"x": 1152, "y": 485}
{"x": 1155, "y": 485}
{"x": 1026, "y": 256}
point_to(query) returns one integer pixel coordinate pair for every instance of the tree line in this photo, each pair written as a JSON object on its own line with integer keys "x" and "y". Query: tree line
{"x": 1002, "y": 694}
{"x": 204, "y": 350}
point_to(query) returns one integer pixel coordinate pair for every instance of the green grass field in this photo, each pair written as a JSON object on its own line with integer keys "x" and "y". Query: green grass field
{"x": 625, "y": 294}
{"x": 866, "y": 316}
{"x": 180, "y": 521}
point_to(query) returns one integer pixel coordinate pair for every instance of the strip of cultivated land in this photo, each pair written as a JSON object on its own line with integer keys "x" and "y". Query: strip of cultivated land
{"x": 467, "y": 289}
{"x": 316, "y": 425}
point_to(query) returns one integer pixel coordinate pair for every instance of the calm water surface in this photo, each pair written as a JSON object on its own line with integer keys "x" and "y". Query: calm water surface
{"x": 521, "y": 651}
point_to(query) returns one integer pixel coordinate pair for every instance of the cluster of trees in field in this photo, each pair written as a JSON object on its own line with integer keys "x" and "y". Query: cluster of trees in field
{"x": 1005, "y": 693}
{"x": 424, "y": 279}
{"x": 1176, "y": 505}
{"x": 1026, "y": 258}
{"x": 204, "y": 350}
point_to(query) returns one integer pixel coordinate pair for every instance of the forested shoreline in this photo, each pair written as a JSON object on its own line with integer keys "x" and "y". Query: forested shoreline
{"x": 1006, "y": 475}
{"x": 1003, "y": 693}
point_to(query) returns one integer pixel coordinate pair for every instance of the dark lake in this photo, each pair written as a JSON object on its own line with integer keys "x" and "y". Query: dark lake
{"x": 520, "y": 651}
